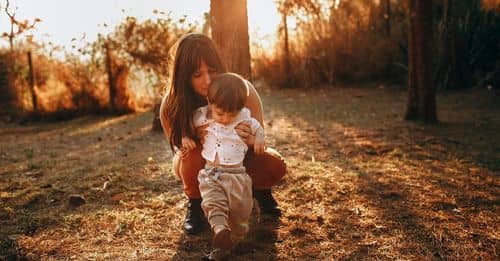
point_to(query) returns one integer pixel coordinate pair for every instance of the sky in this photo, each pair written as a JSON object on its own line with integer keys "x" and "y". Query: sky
{"x": 63, "y": 20}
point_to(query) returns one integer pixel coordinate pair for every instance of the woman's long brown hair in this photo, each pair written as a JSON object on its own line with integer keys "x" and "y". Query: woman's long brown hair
{"x": 181, "y": 100}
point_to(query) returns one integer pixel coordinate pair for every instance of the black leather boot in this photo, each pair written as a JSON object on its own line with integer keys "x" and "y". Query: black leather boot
{"x": 267, "y": 203}
{"x": 195, "y": 220}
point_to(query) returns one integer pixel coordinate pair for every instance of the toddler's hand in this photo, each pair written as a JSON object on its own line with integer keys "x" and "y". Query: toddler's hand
{"x": 260, "y": 142}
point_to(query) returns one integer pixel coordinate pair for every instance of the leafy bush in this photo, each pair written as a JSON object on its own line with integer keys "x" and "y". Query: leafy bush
{"x": 138, "y": 54}
{"x": 359, "y": 41}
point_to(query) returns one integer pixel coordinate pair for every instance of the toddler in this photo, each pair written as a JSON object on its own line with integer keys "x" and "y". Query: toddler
{"x": 226, "y": 188}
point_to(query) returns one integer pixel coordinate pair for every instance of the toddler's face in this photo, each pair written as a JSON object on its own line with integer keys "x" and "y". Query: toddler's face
{"x": 221, "y": 116}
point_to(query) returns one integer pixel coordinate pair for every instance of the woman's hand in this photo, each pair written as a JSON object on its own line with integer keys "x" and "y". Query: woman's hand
{"x": 188, "y": 144}
{"x": 260, "y": 142}
{"x": 245, "y": 132}
{"x": 202, "y": 133}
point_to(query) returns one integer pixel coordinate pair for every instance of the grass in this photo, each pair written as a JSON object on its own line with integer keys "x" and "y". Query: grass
{"x": 362, "y": 184}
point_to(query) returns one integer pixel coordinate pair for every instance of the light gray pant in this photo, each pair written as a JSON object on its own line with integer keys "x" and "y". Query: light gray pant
{"x": 226, "y": 198}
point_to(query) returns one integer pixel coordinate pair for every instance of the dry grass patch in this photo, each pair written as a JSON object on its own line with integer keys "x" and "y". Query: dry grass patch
{"x": 362, "y": 184}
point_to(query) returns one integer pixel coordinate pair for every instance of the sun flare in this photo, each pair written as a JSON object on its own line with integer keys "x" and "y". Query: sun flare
{"x": 263, "y": 22}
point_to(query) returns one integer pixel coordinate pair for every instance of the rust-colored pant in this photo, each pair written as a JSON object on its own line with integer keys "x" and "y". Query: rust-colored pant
{"x": 266, "y": 169}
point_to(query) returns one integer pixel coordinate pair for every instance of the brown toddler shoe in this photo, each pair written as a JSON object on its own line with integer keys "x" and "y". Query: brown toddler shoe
{"x": 222, "y": 239}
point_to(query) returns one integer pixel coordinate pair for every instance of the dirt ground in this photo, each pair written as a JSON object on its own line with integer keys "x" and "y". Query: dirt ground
{"x": 362, "y": 184}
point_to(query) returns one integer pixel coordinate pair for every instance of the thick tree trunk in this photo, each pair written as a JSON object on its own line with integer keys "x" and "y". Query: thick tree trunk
{"x": 421, "y": 92}
{"x": 229, "y": 24}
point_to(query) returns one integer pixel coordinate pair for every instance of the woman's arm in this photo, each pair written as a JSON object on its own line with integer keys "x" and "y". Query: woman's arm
{"x": 254, "y": 104}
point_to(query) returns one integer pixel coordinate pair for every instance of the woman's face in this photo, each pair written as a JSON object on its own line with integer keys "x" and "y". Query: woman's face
{"x": 201, "y": 79}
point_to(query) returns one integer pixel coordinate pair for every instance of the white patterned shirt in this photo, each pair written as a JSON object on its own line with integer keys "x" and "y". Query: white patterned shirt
{"x": 222, "y": 140}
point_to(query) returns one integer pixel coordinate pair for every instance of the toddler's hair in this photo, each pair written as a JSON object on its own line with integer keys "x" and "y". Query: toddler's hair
{"x": 228, "y": 91}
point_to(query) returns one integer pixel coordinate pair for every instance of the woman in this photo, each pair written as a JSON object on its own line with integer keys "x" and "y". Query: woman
{"x": 195, "y": 61}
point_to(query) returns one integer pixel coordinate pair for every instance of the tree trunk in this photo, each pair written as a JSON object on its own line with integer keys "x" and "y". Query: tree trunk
{"x": 229, "y": 24}
{"x": 451, "y": 45}
{"x": 111, "y": 80}
{"x": 32, "y": 82}
{"x": 286, "y": 52}
{"x": 11, "y": 35}
{"x": 421, "y": 92}
{"x": 156, "y": 124}
{"x": 6, "y": 96}
{"x": 387, "y": 17}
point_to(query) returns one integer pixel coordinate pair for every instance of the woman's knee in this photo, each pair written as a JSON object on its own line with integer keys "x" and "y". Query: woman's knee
{"x": 188, "y": 167}
{"x": 191, "y": 163}
{"x": 266, "y": 169}
{"x": 277, "y": 162}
